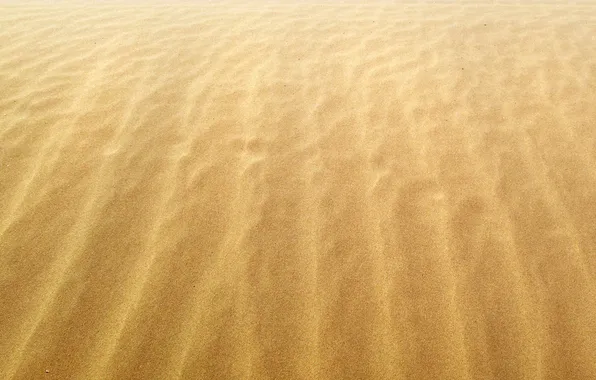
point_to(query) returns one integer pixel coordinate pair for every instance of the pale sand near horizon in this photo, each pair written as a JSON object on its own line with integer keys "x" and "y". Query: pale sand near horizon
{"x": 266, "y": 190}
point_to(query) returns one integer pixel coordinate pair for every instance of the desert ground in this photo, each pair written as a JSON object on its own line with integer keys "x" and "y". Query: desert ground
{"x": 297, "y": 190}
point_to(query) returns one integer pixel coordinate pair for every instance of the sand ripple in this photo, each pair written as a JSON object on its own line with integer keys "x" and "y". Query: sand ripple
{"x": 297, "y": 190}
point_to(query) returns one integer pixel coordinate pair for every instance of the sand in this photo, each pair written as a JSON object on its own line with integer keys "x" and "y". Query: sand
{"x": 293, "y": 190}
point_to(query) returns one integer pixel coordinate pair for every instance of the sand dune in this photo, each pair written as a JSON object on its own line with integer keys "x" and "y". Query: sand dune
{"x": 291, "y": 190}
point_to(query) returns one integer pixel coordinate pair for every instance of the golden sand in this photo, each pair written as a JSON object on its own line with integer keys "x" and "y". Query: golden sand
{"x": 290, "y": 190}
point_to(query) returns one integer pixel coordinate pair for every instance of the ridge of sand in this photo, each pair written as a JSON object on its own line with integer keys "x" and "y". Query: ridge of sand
{"x": 297, "y": 190}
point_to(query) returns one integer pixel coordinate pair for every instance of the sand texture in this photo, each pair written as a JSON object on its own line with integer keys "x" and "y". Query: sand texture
{"x": 292, "y": 190}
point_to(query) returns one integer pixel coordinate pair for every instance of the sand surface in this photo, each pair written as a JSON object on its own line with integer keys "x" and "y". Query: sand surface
{"x": 291, "y": 190}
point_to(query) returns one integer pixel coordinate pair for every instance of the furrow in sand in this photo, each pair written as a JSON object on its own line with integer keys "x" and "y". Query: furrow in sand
{"x": 567, "y": 243}
{"x": 429, "y": 288}
{"x": 549, "y": 258}
{"x": 61, "y": 263}
{"x": 487, "y": 273}
{"x": 207, "y": 138}
{"x": 395, "y": 161}
{"x": 311, "y": 242}
{"x": 137, "y": 287}
{"x": 202, "y": 241}
{"x": 346, "y": 299}
{"x": 388, "y": 353}
{"x": 104, "y": 347}
{"x": 353, "y": 309}
{"x": 231, "y": 354}
{"x": 571, "y": 180}
{"x": 57, "y": 135}
{"x": 74, "y": 246}
{"x": 276, "y": 254}
{"x": 197, "y": 353}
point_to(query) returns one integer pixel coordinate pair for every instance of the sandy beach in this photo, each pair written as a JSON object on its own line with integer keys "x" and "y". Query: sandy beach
{"x": 297, "y": 190}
